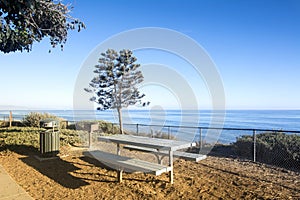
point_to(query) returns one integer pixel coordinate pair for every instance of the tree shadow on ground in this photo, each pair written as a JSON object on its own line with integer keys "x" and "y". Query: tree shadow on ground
{"x": 9, "y": 130}
{"x": 55, "y": 169}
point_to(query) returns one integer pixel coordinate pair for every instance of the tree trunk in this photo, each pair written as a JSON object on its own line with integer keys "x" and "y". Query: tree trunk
{"x": 120, "y": 120}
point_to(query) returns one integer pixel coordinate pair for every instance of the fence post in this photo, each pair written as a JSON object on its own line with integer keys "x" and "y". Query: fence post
{"x": 254, "y": 145}
{"x": 10, "y": 118}
{"x": 168, "y": 132}
{"x": 151, "y": 132}
{"x": 137, "y": 129}
{"x": 200, "y": 139}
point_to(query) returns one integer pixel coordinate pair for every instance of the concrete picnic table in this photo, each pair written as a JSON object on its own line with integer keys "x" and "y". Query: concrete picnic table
{"x": 155, "y": 143}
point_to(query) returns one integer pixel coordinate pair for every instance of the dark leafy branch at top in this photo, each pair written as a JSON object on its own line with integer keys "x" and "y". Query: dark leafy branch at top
{"x": 23, "y": 22}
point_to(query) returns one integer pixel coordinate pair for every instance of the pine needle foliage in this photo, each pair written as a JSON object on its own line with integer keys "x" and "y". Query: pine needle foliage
{"x": 115, "y": 85}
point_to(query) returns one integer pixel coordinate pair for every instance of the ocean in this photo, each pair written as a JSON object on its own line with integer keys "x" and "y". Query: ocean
{"x": 288, "y": 120}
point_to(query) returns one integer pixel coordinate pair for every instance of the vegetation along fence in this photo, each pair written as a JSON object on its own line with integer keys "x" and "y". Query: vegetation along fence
{"x": 276, "y": 147}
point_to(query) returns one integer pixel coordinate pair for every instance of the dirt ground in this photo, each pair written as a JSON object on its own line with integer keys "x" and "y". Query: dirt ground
{"x": 73, "y": 176}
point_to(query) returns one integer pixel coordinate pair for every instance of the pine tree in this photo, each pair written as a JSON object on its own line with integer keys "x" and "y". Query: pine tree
{"x": 116, "y": 81}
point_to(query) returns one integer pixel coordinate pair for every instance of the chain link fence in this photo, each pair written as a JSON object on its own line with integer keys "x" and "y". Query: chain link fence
{"x": 274, "y": 147}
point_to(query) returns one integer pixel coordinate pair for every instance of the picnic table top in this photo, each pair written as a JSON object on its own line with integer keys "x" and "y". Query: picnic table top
{"x": 142, "y": 141}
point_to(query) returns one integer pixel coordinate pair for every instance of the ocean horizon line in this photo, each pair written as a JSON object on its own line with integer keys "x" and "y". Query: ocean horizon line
{"x": 170, "y": 109}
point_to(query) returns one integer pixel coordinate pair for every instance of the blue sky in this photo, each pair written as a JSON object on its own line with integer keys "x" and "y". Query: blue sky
{"x": 254, "y": 44}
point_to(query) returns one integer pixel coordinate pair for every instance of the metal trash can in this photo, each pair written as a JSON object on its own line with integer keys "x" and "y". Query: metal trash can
{"x": 49, "y": 138}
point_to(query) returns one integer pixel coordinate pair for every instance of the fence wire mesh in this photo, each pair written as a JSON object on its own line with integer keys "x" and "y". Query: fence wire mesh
{"x": 274, "y": 147}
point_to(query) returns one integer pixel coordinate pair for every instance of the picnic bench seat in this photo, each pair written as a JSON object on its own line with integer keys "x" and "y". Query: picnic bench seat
{"x": 122, "y": 163}
{"x": 180, "y": 154}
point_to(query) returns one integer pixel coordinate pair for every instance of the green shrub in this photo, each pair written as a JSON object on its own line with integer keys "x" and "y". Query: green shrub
{"x": 33, "y": 119}
{"x": 274, "y": 148}
{"x": 107, "y": 127}
{"x": 104, "y": 127}
{"x": 71, "y": 137}
{"x": 29, "y": 136}
{"x": 4, "y": 123}
{"x": 20, "y": 136}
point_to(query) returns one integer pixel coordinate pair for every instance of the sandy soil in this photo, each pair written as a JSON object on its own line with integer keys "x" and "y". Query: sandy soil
{"x": 73, "y": 176}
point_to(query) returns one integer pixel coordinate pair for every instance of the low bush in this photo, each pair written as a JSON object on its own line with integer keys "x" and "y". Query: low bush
{"x": 29, "y": 136}
{"x": 104, "y": 127}
{"x": 274, "y": 148}
{"x": 71, "y": 137}
{"x": 4, "y": 124}
{"x": 107, "y": 127}
{"x": 33, "y": 119}
{"x": 20, "y": 136}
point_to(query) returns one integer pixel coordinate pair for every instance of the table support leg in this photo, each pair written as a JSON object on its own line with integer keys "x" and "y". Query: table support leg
{"x": 120, "y": 176}
{"x": 159, "y": 157}
{"x": 118, "y": 149}
{"x": 120, "y": 172}
{"x": 171, "y": 178}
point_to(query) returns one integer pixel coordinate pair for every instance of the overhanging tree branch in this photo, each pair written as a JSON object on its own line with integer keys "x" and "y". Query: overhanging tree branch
{"x": 24, "y": 22}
